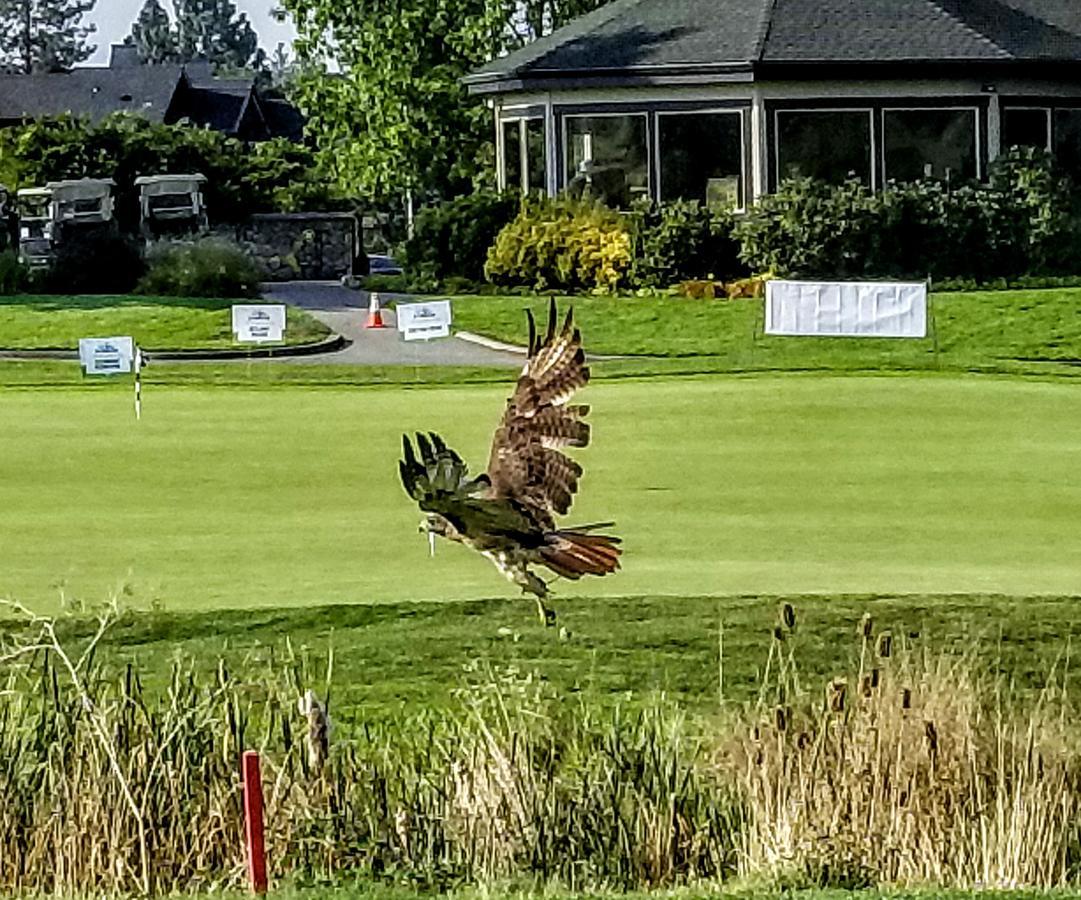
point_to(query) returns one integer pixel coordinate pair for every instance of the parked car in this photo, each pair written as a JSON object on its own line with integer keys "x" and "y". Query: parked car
{"x": 383, "y": 265}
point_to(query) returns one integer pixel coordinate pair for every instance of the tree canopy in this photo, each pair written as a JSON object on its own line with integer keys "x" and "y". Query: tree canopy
{"x": 44, "y": 35}
{"x": 394, "y": 116}
{"x": 198, "y": 29}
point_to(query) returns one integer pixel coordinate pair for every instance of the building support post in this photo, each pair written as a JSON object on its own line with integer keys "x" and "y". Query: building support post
{"x": 551, "y": 153}
{"x": 759, "y": 150}
{"x": 994, "y": 128}
{"x": 500, "y": 161}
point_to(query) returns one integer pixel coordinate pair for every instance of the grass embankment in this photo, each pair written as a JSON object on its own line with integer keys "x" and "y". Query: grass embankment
{"x": 974, "y": 330}
{"x": 701, "y": 652}
{"x": 156, "y": 323}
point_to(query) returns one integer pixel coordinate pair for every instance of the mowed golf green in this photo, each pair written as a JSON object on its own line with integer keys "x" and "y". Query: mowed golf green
{"x": 722, "y": 485}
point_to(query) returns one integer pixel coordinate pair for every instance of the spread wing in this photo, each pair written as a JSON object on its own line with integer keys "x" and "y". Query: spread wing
{"x": 527, "y": 464}
{"x": 439, "y": 479}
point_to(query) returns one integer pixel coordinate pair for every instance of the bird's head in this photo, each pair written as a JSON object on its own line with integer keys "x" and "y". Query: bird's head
{"x": 434, "y": 524}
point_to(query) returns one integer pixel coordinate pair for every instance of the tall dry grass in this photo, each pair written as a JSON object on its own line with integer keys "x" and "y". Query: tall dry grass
{"x": 914, "y": 768}
{"x": 107, "y": 787}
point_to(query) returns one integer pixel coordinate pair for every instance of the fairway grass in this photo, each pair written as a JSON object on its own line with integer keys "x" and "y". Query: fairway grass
{"x": 720, "y": 487}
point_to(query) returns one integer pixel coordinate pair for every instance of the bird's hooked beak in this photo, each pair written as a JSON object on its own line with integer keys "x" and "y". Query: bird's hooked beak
{"x": 426, "y": 527}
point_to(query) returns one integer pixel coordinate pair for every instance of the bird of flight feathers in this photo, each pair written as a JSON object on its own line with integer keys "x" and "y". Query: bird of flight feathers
{"x": 508, "y": 512}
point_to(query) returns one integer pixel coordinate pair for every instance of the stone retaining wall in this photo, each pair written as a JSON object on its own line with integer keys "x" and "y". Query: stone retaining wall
{"x": 300, "y": 246}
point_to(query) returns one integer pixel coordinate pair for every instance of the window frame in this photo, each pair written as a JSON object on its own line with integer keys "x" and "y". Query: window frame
{"x": 522, "y": 120}
{"x": 869, "y": 110}
{"x": 607, "y": 114}
{"x": 1050, "y": 116}
{"x": 708, "y": 111}
{"x": 976, "y": 129}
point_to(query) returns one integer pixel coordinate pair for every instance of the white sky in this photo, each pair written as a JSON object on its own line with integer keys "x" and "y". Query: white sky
{"x": 114, "y": 18}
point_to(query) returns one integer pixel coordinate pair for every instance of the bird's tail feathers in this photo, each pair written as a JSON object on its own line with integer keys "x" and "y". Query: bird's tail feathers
{"x": 573, "y": 553}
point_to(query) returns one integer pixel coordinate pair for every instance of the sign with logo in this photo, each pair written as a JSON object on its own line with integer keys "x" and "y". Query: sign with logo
{"x": 424, "y": 321}
{"x": 257, "y": 323}
{"x": 106, "y": 356}
{"x": 846, "y": 308}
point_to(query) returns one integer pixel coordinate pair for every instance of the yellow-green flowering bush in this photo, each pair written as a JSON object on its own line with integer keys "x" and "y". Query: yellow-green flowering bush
{"x": 562, "y": 244}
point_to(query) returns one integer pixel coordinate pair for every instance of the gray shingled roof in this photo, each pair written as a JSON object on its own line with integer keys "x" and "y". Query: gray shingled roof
{"x": 93, "y": 92}
{"x": 673, "y": 36}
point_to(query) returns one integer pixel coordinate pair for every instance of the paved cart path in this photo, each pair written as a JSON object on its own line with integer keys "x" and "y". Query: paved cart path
{"x": 346, "y": 312}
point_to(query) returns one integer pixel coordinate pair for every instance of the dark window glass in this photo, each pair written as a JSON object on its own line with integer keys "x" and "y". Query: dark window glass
{"x": 607, "y": 158}
{"x": 512, "y": 155}
{"x": 830, "y": 145}
{"x": 1068, "y": 140}
{"x": 702, "y": 158}
{"x": 1024, "y": 128}
{"x": 536, "y": 173}
{"x": 930, "y": 143}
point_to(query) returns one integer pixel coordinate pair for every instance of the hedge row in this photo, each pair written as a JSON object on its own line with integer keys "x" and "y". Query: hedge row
{"x": 1023, "y": 222}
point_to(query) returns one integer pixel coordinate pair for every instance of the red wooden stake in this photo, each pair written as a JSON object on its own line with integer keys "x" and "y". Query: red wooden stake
{"x": 253, "y": 822}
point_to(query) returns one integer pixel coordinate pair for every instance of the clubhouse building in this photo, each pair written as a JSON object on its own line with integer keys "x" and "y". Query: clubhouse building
{"x": 720, "y": 100}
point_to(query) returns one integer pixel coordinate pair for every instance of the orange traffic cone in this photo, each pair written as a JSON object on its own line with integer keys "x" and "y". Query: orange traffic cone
{"x": 375, "y": 316}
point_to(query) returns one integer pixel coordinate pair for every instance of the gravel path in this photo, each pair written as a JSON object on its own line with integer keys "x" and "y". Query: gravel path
{"x": 346, "y": 312}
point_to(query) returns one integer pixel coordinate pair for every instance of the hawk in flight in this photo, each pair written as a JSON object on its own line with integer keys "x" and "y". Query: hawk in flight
{"x": 508, "y": 512}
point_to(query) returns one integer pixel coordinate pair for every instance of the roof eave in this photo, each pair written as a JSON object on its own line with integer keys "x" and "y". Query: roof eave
{"x": 499, "y": 82}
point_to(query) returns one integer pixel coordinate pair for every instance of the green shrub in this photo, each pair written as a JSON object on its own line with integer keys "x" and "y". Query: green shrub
{"x": 92, "y": 259}
{"x": 1021, "y": 222}
{"x": 14, "y": 276}
{"x": 683, "y": 241}
{"x": 562, "y": 244}
{"x": 451, "y": 240}
{"x": 211, "y": 267}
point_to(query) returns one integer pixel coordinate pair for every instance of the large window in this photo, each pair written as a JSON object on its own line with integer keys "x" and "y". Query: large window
{"x": 701, "y": 157}
{"x": 831, "y": 145}
{"x": 1067, "y": 147}
{"x": 607, "y": 158}
{"x": 929, "y": 143}
{"x": 1024, "y": 126}
{"x": 524, "y": 154}
{"x": 512, "y": 155}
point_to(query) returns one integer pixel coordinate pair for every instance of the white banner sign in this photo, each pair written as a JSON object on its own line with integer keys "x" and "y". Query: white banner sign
{"x": 423, "y": 321}
{"x": 846, "y": 308}
{"x": 255, "y": 323}
{"x": 106, "y": 356}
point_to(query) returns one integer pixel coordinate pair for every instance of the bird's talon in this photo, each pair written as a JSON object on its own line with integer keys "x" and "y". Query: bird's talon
{"x": 547, "y": 616}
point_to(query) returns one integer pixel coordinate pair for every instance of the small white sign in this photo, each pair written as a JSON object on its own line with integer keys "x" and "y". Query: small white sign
{"x": 846, "y": 308}
{"x": 256, "y": 323}
{"x": 424, "y": 321}
{"x": 106, "y": 356}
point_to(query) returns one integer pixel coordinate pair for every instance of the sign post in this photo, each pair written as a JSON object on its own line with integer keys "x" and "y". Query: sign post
{"x": 424, "y": 321}
{"x": 106, "y": 356}
{"x": 846, "y": 309}
{"x": 138, "y": 384}
{"x": 257, "y": 323}
{"x": 114, "y": 356}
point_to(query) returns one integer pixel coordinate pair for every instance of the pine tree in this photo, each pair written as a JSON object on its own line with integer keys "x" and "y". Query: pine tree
{"x": 212, "y": 29}
{"x": 44, "y": 35}
{"x": 152, "y": 34}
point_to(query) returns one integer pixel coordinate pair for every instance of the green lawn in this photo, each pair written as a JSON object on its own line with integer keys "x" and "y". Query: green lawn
{"x": 719, "y": 485}
{"x": 974, "y": 330}
{"x": 156, "y": 323}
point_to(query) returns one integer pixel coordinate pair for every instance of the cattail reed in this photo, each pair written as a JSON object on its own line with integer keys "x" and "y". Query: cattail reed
{"x": 885, "y": 645}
